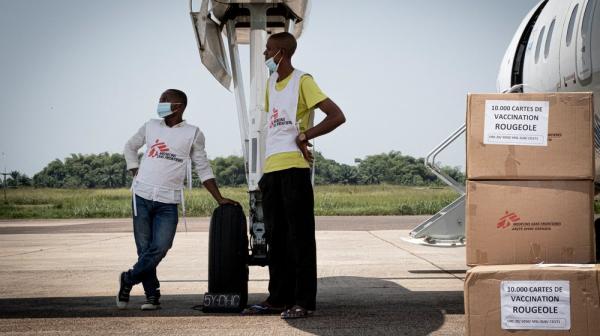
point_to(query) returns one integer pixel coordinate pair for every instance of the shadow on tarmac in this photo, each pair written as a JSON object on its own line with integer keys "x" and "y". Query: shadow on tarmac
{"x": 346, "y": 305}
{"x": 373, "y": 306}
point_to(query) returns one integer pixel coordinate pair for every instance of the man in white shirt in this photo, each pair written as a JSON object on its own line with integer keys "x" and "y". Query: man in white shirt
{"x": 171, "y": 147}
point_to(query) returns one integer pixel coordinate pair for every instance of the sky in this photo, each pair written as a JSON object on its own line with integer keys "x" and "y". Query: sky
{"x": 83, "y": 76}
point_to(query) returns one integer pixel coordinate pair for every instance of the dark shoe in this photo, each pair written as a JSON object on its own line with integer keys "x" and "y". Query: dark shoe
{"x": 263, "y": 308}
{"x": 152, "y": 303}
{"x": 296, "y": 312}
{"x": 124, "y": 290}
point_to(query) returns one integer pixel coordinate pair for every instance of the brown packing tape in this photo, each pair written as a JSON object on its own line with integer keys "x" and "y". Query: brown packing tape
{"x": 515, "y": 191}
{"x": 583, "y": 277}
{"x": 470, "y": 279}
{"x": 467, "y": 130}
{"x": 567, "y": 253}
{"x": 596, "y": 298}
{"x": 481, "y": 257}
{"x": 593, "y": 232}
{"x": 472, "y": 210}
{"x": 590, "y": 295}
{"x": 511, "y": 164}
{"x": 476, "y": 104}
{"x": 586, "y": 116}
{"x": 575, "y": 99}
{"x": 535, "y": 253}
{"x": 553, "y": 99}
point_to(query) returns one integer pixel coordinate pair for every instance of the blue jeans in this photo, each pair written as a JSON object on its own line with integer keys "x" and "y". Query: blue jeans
{"x": 154, "y": 230}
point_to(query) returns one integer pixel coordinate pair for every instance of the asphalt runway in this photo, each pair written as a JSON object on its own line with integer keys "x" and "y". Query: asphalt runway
{"x": 324, "y": 223}
{"x": 60, "y": 277}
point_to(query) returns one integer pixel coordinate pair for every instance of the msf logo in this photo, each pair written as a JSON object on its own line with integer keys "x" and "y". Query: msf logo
{"x": 507, "y": 220}
{"x": 274, "y": 117}
{"x": 158, "y": 147}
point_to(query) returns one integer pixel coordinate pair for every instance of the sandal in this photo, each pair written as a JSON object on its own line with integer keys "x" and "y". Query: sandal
{"x": 263, "y": 308}
{"x": 296, "y": 312}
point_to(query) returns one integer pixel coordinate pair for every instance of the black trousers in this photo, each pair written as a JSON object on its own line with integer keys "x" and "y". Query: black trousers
{"x": 288, "y": 208}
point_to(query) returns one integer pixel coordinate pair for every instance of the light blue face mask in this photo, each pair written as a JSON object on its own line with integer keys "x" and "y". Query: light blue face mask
{"x": 164, "y": 109}
{"x": 271, "y": 65}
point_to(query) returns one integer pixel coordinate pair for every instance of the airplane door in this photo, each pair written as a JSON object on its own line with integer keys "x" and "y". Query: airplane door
{"x": 584, "y": 47}
{"x": 568, "y": 45}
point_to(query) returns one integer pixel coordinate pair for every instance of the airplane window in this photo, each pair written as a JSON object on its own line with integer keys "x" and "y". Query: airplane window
{"x": 587, "y": 16}
{"x": 539, "y": 44}
{"x": 584, "y": 42}
{"x": 571, "y": 25}
{"x": 549, "y": 39}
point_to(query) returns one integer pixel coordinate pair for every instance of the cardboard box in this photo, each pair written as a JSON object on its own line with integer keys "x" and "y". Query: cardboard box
{"x": 513, "y": 299}
{"x": 528, "y": 222}
{"x": 530, "y": 136}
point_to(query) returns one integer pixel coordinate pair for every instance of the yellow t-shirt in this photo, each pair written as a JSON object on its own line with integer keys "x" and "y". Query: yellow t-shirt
{"x": 309, "y": 96}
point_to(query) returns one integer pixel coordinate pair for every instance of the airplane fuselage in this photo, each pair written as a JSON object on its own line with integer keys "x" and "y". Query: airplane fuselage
{"x": 557, "y": 49}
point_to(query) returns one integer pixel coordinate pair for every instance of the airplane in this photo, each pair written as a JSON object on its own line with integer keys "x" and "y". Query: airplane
{"x": 553, "y": 50}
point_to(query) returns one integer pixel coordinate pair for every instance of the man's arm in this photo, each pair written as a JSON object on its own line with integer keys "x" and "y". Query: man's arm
{"x": 213, "y": 189}
{"x": 334, "y": 118}
{"x": 205, "y": 173}
{"x": 131, "y": 150}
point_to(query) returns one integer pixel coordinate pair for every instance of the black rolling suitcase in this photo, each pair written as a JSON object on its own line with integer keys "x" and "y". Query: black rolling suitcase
{"x": 227, "y": 261}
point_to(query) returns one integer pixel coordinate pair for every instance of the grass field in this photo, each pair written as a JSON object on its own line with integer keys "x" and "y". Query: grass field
{"x": 335, "y": 200}
{"x": 332, "y": 200}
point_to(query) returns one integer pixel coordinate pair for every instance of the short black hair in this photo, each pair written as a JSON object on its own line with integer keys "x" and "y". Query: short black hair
{"x": 179, "y": 95}
{"x": 285, "y": 41}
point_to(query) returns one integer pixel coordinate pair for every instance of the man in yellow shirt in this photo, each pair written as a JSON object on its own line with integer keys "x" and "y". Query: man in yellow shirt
{"x": 288, "y": 202}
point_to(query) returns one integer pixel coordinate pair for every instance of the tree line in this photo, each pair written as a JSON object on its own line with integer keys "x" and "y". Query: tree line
{"x": 106, "y": 170}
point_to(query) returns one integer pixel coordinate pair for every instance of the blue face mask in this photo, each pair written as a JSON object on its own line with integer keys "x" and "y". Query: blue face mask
{"x": 164, "y": 110}
{"x": 271, "y": 65}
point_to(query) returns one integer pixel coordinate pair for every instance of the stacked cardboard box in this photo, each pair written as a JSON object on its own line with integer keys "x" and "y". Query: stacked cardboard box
{"x": 533, "y": 300}
{"x": 530, "y": 189}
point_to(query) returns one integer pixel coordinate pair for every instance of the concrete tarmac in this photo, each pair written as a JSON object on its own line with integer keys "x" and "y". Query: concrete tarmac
{"x": 59, "y": 277}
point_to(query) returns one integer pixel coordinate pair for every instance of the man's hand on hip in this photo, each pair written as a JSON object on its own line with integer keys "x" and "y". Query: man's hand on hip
{"x": 303, "y": 145}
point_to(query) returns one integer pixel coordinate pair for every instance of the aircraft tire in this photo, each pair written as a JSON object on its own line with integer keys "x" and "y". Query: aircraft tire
{"x": 228, "y": 253}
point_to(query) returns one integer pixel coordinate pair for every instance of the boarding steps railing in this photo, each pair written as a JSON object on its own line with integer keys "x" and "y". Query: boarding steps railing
{"x": 447, "y": 227}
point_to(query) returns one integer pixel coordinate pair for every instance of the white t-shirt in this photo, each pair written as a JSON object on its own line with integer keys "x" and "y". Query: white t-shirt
{"x": 153, "y": 188}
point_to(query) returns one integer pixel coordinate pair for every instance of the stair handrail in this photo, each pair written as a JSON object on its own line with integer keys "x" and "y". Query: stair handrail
{"x": 430, "y": 160}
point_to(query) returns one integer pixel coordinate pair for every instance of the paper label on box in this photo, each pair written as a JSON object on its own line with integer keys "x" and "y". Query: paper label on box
{"x": 541, "y": 305}
{"x": 515, "y": 122}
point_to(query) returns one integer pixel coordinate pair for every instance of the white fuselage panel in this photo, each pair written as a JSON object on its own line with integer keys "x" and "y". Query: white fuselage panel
{"x": 562, "y": 54}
